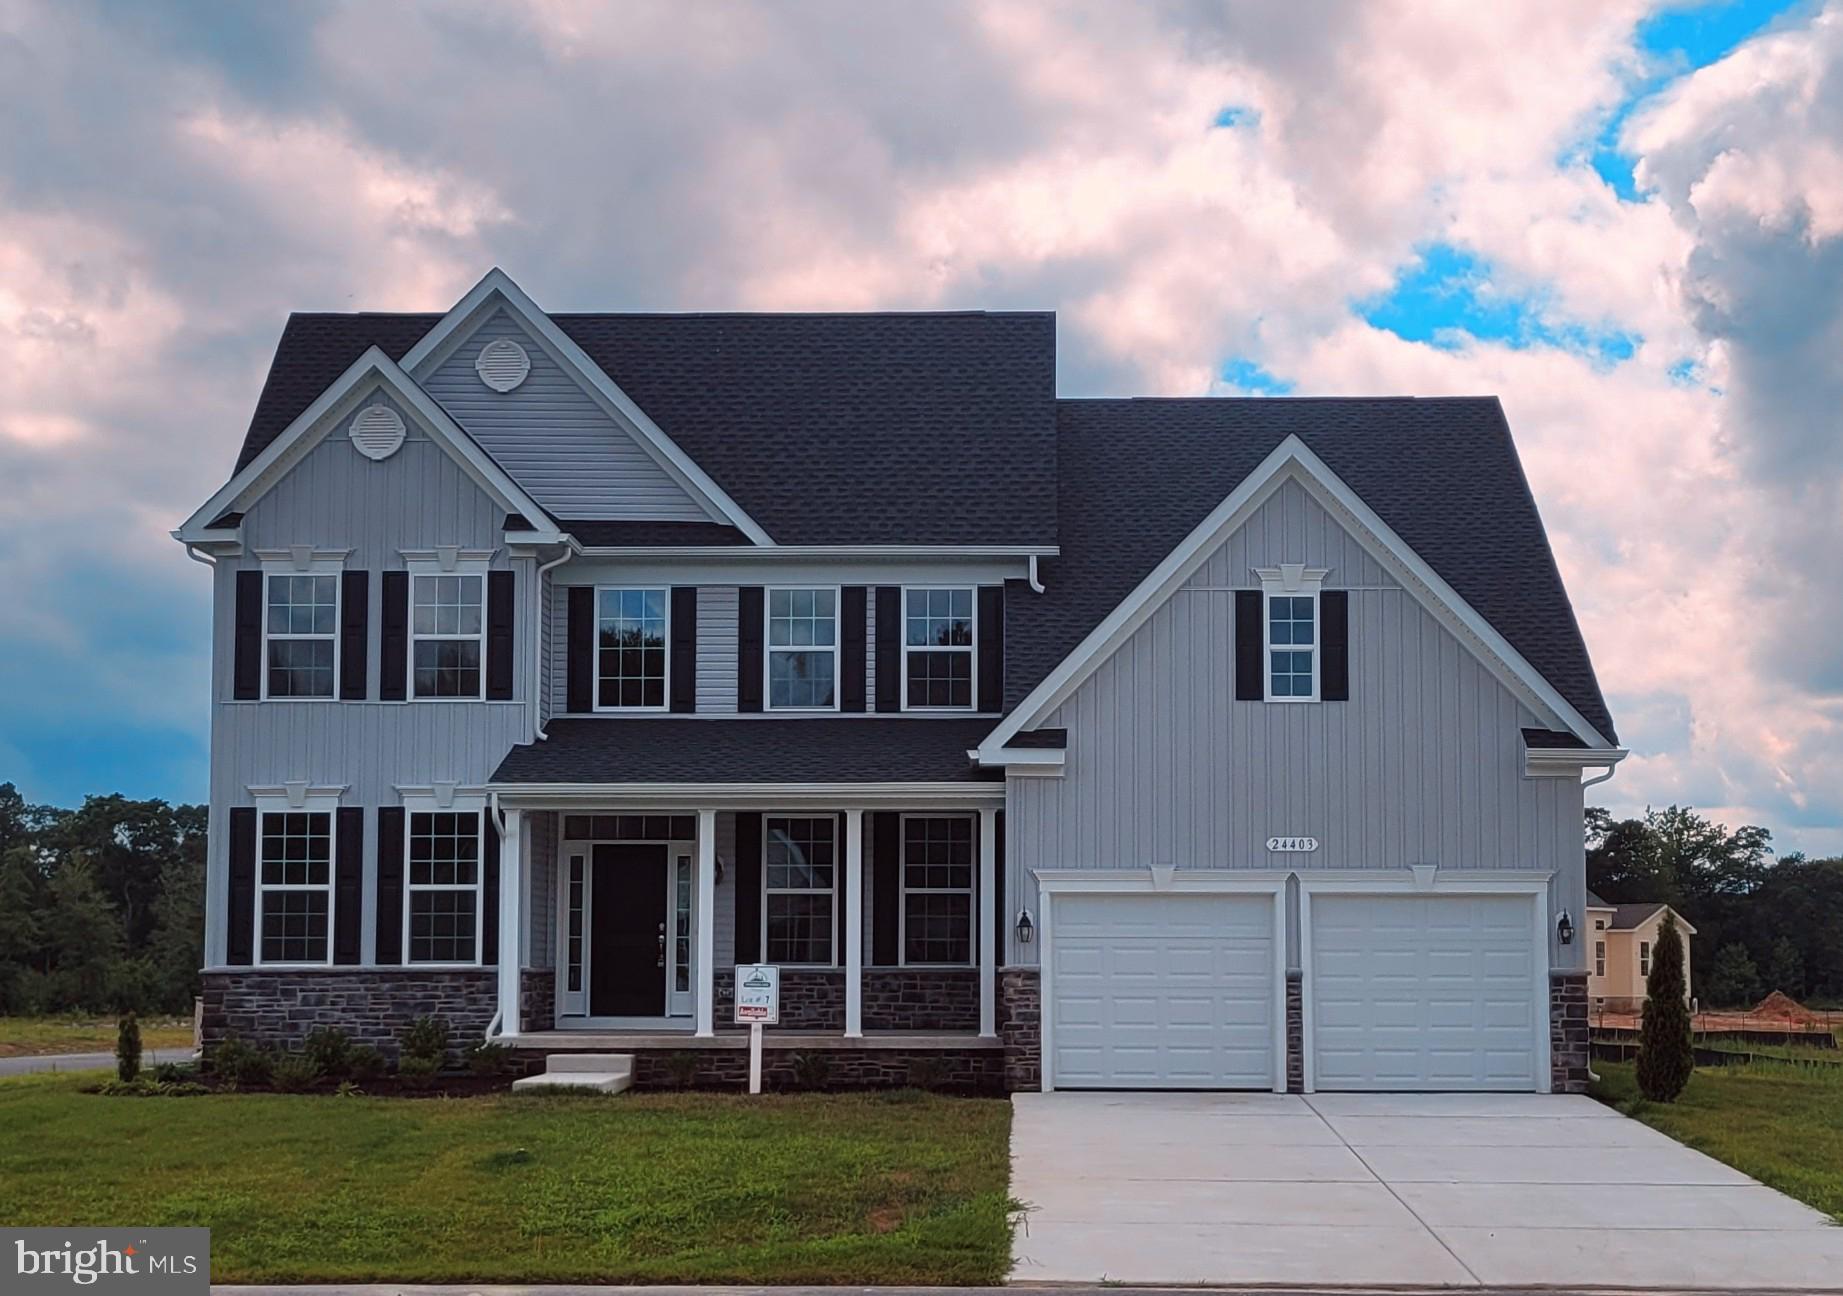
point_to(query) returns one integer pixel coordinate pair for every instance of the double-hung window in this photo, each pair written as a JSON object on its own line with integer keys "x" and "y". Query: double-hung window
{"x": 443, "y": 914}
{"x": 937, "y": 889}
{"x": 631, "y": 659}
{"x": 294, "y": 887}
{"x": 799, "y": 876}
{"x": 802, "y": 647}
{"x": 447, "y": 634}
{"x": 937, "y": 649}
{"x": 301, "y": 622}
{"x": 1292, "y": 646}
{"x": 1644, "y": 958}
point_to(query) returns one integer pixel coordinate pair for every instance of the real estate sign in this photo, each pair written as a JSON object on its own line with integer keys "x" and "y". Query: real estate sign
{"x": 758, "y": 993}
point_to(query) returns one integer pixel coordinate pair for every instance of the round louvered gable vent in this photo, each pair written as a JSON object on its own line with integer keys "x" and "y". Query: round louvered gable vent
{"x": 502, "y": 365}
{"x": 377, "y": 431}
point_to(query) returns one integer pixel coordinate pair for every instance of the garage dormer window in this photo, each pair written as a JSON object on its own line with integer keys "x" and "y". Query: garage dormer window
{"x": 1292, "y": 639}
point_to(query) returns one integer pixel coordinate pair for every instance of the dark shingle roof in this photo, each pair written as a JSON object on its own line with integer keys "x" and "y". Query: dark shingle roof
{"x": 1628, "y": 916}
{"x": 856, "y": 749}
{"x": 826, "y": 429}
{"x": 1041, "y": 739}
{"x": 1138, "y": 475}
{"x": 597, "y": 534}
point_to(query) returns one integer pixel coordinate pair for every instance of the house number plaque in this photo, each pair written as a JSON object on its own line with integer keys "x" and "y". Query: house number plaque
{"x": 1293, "y": 845}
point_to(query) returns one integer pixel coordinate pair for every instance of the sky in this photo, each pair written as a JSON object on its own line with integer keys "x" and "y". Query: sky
{"x": 1624, "y": 219}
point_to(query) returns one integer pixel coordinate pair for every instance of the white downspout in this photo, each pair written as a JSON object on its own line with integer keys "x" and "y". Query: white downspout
{"x": 537, "y": 646}
{"x": 1036, "y": 585}
{"x": 499, "y": 826}
{"x": 1599, "y": 778}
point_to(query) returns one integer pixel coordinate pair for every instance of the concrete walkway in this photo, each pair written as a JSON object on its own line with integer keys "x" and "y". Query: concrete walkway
{"x": 1421, "y": 1190}
{"x": 13, "y": 1066}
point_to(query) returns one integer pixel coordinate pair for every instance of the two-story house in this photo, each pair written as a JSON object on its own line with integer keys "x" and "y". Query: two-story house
{"x": 564, "y": 662}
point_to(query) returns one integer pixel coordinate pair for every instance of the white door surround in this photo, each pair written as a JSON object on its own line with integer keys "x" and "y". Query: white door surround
{"x": 1062, "y": 889}
{"x": 576, "y": 919}
{"x": 1530, "y": 886}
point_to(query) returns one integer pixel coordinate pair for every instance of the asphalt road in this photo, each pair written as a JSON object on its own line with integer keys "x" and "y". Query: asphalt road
{"x": 13, "y": 1066}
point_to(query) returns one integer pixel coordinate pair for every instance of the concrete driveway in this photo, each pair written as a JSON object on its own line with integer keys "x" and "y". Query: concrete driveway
{"x": 1419, "y": 1190}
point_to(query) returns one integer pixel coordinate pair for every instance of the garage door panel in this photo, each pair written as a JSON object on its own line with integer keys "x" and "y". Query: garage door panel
{"x": 1423, "y": 992}
{"x": 1165, "y": 991}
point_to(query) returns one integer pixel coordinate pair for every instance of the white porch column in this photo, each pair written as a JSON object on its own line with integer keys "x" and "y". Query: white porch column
{"x": 854, "y": 923}
{"x": 707, "y": 923}
{"x": 511, "y": 919}
{"x": 988, "y": 924}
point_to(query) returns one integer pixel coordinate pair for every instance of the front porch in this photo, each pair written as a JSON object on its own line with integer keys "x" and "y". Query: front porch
{"x": 631, "y": 907}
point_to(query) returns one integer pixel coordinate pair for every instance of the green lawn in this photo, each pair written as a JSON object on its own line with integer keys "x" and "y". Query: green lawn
{"x": 1780, "y": 1123}
{"x": 885, "y": 1189}
{"x": 33, "y": 1036}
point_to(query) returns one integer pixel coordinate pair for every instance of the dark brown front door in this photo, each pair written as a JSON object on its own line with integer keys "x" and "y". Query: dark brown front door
{"x": 627, "y": 962}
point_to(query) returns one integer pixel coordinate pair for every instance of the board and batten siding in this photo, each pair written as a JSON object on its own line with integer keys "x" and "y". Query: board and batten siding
{"x": 1423, "y": 765}
{"x": 554, "y": 439}
{"x": 335, "y": 498}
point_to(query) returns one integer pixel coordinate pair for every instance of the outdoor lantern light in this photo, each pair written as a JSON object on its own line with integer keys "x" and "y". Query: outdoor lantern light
{"x": 1564, "y": 928}
{"x": 1025, "y": 928}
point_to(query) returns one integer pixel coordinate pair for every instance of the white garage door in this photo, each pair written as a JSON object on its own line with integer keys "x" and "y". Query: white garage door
{"x": 1162, "y": 992}
{"x": 1423, "y": 992}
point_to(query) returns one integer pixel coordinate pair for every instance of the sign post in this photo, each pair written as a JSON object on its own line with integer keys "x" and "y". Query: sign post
{"x": 758, "y": 1004}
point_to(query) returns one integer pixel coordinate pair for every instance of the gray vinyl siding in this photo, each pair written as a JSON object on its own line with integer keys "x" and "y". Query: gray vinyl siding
{"x": 1423, "y": 764}
{"x": 540, "y": 926}
{"x": 335, "y": 498}
{"x": 554, "y": 439}
{"x": 725, "y": 917}
{"x": 717, "y": 644}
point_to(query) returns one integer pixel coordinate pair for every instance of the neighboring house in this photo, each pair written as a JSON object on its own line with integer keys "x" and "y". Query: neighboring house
{"x": 1620, "y": 939}
{"x": 563, "y": 662}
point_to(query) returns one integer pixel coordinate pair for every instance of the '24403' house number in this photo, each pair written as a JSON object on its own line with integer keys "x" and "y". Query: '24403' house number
{"x": 1293, "y": 845}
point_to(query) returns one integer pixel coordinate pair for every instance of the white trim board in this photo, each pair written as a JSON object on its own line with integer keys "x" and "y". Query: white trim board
{"x": 371, "y": 372}
{"x": 495, "y": 291}
{"x": 1293, "y": 459}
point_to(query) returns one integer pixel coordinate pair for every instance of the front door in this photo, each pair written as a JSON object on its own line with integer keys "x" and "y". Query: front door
{"x": 627, "y": 945}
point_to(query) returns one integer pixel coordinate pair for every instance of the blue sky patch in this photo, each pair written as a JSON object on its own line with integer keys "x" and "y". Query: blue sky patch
{"x": 1448, "y": 298}
{"x": 1248, "y": 375}
{"x": 1233, "y": 115}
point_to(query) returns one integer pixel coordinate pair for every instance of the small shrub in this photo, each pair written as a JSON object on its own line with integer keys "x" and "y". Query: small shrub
{"x": 1666, "y": 1051}
{"x": 365, "y": 1063}
{"x": 173, "y": 1072}
{"x": 427, "y": 1038}
{"x": 144, "y": 1087}
{"x": 682, "y": 1066}
{"x": 239, "y": 1063}
{"x": 488, "y": 1059}
{"x": 347, "y": 1089}
{"x": 418, "y": 1070}
{"x": 812, "y": 1070}
{"x": 294, "y": 1073}
{"x": 330, "y": 1049}
{"x": 127, "y": 1049}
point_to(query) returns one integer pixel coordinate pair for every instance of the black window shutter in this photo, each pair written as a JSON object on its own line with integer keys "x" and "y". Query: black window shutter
{"x": 580, "y": 636}
{"x": 991, "y": 647}
{"x": 390, "y": 885}
{"x": 1249, "y": 628}
{"x": 889, "y": 648}
{"x": 354, "y": 633}
{"x": 1000, "y": 918}
{"x": 886, "y": 898}
{"x": 1334, "y": 670}
{"x": 749, "y": 648}
{"x": 349, "y": 885}
{"x": 246, "y": 671}
{"x": 240, "y": 932}
{"x": 394, "y": 636}
{"x": 489, "y": 888}
{"x": 501, "y": 630}
{"x": 854, "y": 600}
{"x": 684, "y": 648}
{"x": 748, "y": 887}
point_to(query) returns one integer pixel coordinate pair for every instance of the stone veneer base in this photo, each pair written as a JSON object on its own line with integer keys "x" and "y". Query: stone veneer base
{"x": 1569, "y": 1033}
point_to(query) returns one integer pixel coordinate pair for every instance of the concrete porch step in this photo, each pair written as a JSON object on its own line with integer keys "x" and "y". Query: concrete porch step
{"x": 604, "y": 1072}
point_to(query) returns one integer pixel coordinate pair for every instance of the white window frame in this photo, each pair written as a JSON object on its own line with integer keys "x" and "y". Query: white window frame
{"x": 1644, "y": 958}
{"x": 769, "y": 648}
{"x": 973, "y": 916}
{"x": 333, "y": 566}
{"x": 460, "y": 803}
{"x": 665, "y": 703}
{"x": 831, "y": 892}
{"x": 1291, "y": 580}
{"x": 326, "y": 803}
{"x": 475, "y": 569}
{"x": 1599, "y": 958}
{"x": 971, "y": 650}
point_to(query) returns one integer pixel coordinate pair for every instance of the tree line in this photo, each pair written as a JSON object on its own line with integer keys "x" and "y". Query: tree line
{"x": 102, "y": 909}
{"x": 1761, "y": 923}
